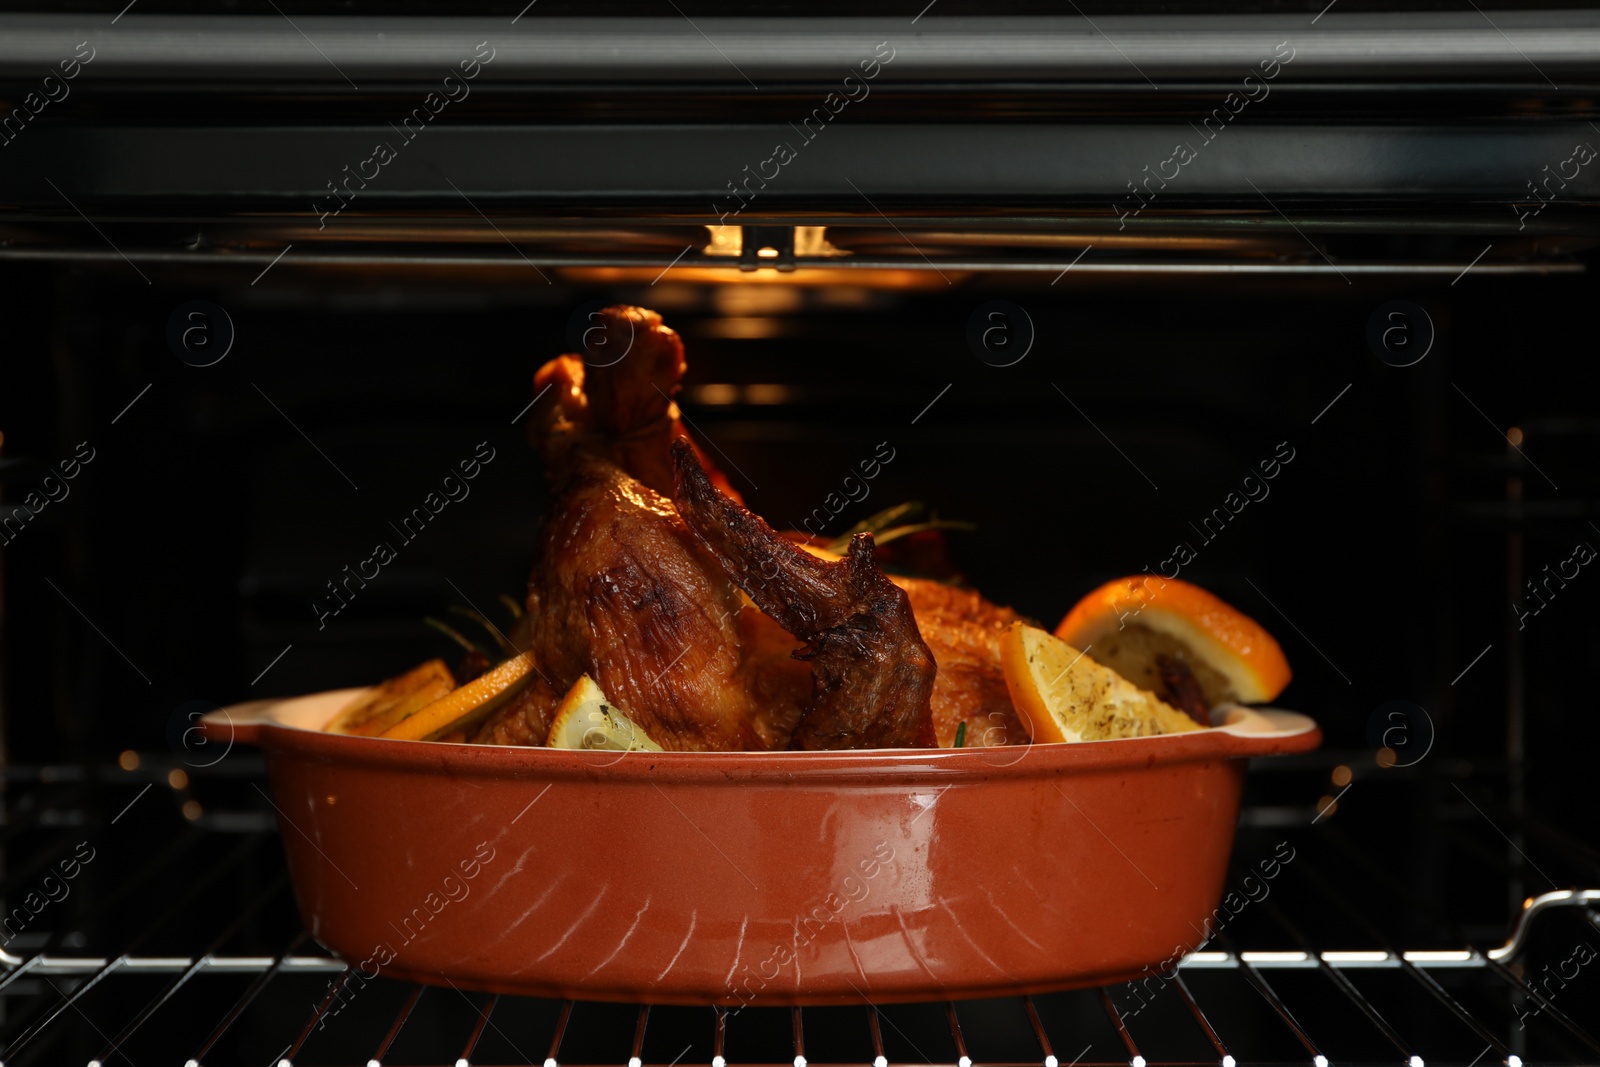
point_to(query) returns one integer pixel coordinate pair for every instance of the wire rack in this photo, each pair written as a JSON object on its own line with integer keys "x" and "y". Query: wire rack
{"x": 176, "y": 942}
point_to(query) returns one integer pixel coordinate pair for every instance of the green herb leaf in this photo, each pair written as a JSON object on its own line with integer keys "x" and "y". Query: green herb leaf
{"x": 961, "y": 736}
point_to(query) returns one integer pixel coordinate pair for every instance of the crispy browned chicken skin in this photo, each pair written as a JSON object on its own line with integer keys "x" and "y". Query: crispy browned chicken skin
{"x": 873, "y": 674}
{"x": 963, "y": 632}
{"x": 625, "y": 594}
{"x": 621, "y": 590}
{"x": 624, "y": 590}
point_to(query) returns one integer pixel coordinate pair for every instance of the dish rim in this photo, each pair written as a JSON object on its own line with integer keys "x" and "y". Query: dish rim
{"x": 271, "y": 724}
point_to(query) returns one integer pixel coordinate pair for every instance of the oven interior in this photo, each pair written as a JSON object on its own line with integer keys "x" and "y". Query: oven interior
{"x": 1418, "y": 551}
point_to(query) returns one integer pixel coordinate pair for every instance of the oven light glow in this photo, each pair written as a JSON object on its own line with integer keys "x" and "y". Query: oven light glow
{"x": 1229, "y": 1061}
{"x": 634, "y": 1061}
{"x": 550, "y": 1062}
{"x": 964, "y": 1061}
{"x": 799, "y": 1061}
{"x": 370, "y": 1063}
{"x": 1513, "y": 1061}
{"x": 1051, "y": 1061}
{"x": 1320, "y": 1060}
{"x": 1137, "y": 1061}
{"x": 880, "y": 1061}
{"x": 1416, "y": 1061}
{"x": 462, "y": 1062}
{"x": 808, "y": 241}
{"x": 725, "y": 241}
{"x": 767, "y": 393}
{"x": 717, "y": 393}
{"x": 718, "y": 1061}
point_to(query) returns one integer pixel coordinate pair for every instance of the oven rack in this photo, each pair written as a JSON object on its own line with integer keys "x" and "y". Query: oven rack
{"x": 257, "y": 989}
{"x": 1253, "y": 964}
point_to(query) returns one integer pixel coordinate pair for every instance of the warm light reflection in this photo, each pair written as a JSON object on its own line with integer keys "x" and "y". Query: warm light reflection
{"x": 767, "y": 393}
{"x": 743, "y": 327}
{"x": 1069, "y": 242}
{"x": 814, "y": 277}
{"x": 716, "y": 394}
{"x": 757, "y": 300}
{"x": 713, "y": 393}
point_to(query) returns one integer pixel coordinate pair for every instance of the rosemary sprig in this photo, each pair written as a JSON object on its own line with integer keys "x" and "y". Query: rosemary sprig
{"x": 961, "y": 735}
{"x": 490, "y": 628}
{"x": 455, "y": 635}
{"x": 896, "y": 532}
{"x": 890, "y": 524}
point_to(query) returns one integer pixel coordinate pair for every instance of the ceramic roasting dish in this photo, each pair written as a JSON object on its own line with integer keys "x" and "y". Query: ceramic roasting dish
{"x": 767, "y": 878}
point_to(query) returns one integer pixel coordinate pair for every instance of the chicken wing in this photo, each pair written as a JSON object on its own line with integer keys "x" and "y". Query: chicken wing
{"x": 873, "y": 674}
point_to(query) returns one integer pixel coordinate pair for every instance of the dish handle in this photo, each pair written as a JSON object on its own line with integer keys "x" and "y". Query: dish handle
{"x": 1265, "y": 731}
{"x": 223, "y": 727}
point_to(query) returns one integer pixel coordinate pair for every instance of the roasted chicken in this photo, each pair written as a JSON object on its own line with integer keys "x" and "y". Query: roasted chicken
{"x": 873, "y": 673}
{"x": 639, "y": 567}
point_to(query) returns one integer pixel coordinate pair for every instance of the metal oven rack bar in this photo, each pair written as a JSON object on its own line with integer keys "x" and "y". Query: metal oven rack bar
{"x": 1254, "y": 966}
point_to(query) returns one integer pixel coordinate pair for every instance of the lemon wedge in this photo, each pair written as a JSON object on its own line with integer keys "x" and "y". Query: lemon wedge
{"x": 382, "y": 706}
{"x": 471, "y": 703}
{"x": 586, "y": 719}
{"x": 1063, "y": 695}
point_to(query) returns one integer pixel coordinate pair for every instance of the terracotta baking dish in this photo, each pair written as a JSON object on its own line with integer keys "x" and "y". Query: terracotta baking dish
{"x": 760, "y": 878}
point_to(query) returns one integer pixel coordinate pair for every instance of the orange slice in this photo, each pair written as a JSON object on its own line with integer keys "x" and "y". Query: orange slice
{"x": 1127, "y": 624}
{"x": 384, "y": 705}
{"x": 586, "y": 719}
{"x": 467, "y": 705}
{"x": 1063, "y": 695}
